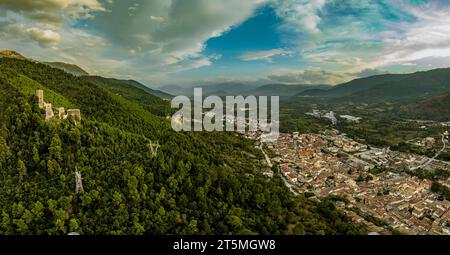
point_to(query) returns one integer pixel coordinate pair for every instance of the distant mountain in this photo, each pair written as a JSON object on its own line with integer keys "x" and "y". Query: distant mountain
{"x": 354, "y": 86}
{"x": 155, "y": 92}
{"x": 68, "y": 68}
{"x": 219, "y": 89}
{"x": 416, "y": 85}
{"x": 227, "y": 89}
{"x": 10, "y": 54}
{"x": 283, "y": 90}
{"x": 236, "y": 88}
{"x": 175, "y": 89}
{"x": 389, "y": 87}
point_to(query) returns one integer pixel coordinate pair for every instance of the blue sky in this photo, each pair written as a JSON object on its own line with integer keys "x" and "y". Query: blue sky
{"x": 163, "y": 42}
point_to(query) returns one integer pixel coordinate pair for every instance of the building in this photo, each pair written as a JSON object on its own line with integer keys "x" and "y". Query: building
{"x": 429, "y": 142}
{"x": 350, "y": 118}
{"x": 292, "y": 177}
{"x": 331, "y": 117}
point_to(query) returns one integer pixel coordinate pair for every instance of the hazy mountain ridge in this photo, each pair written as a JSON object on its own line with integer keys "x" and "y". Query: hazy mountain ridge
{"x": 283, "y": 90}
{"x": 68, "y": 68}
{"x": 236, "y": 88}
{"x": 389, "y": 87}
{"x": 155, "y": 92}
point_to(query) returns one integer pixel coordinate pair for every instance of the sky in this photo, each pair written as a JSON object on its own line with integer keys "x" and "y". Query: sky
{"x": 176, "y": 42}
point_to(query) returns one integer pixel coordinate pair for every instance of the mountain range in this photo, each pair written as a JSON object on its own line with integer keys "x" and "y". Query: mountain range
{"x": 238, "y": 88}
{"x": 420, "y": 95}
{"x": 389, "y": 87}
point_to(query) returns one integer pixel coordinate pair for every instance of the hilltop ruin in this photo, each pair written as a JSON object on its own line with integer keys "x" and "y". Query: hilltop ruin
{"x": 74, "y": 114}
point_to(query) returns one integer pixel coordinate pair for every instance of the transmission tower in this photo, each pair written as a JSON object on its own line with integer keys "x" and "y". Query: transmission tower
{"x": 78, "y": 182}
{"x": 154, "y": 148}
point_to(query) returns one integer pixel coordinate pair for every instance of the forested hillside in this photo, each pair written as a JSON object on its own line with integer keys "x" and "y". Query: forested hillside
{"x": 432, "y": 108}
{"x": 196, "y": 184}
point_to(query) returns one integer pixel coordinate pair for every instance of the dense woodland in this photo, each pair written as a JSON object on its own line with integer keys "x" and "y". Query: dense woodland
{"x": 197, "y": 184}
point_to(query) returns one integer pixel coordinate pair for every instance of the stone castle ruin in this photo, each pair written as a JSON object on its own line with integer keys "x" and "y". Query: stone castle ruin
{"x": 74, "y": 114}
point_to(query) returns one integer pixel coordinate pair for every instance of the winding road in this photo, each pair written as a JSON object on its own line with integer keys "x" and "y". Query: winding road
{"x": 269, "y": 162}
{"x": 265, "y": 155}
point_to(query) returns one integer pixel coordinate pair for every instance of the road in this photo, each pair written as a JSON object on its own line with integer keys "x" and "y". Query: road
{"x": 269, "y": 162}
{"x": 265, "y": 155}
{"x": 428, "y": 162}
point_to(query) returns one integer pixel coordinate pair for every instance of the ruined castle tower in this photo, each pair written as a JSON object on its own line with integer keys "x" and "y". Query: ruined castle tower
{"x": 48, "y": 111}
{"x": 40, "y": 95}
{"x": 74, "y": 114}
{"x": 61, "y": 113}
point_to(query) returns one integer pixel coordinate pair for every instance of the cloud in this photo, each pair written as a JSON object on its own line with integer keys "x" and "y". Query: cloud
{"x": 45, "y": 38}
{"x": 52, "y": 12}
{"x": 11, "y": 30}
{"x": 177, "y": 27}
{"x": 264, "y": 55}
{"x": 194, "y": 63}
{"x": 300, "y": 14}
{"x": 426, "y": 41}
{"x": 162, "y": 33}
{"x": 310, "y": 76}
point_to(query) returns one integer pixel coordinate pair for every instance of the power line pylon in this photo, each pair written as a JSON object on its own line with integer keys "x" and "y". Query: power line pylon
{"x": 154, "y": 148}
{"x": 78, "y": 182}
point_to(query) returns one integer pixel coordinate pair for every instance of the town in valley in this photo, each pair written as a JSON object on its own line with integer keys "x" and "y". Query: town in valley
{"x": 373, "y": 186}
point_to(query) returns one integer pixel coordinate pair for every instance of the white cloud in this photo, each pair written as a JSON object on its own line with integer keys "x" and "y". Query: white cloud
{"x": 194, "y": 63}
{"x": 300, "y": 15}
{"x": 264, "y": 55}
{"x": 424, "y": 42}
{"x": 45, "y": 38}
